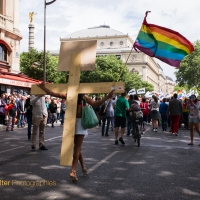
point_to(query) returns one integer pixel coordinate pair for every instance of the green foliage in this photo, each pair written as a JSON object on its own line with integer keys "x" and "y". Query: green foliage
{"x": 26, "y": 66}
{"x": 107, "y": 69}
{"x": 189, "y": 71}
{"x": 178, "y": 87}
{"x": 111, "y": 69}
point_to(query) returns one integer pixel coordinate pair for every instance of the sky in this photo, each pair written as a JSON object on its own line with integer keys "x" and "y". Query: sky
{"x": 64, "y": 17}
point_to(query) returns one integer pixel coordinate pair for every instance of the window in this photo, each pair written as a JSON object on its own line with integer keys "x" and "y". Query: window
{"x": 102, "y": 43}
{"x": 121, "y": 43}
{"x": 111, "y": 43}
{"x": 3, "y": 52}
{"x": 118, "y": 56}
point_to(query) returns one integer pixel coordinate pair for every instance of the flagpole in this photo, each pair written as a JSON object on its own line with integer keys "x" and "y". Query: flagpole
{"x": 122, "y": 70}
{"x": 128, "y": 57}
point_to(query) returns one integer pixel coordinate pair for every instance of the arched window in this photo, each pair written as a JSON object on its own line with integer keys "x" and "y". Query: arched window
{"x": 3, "y": 52}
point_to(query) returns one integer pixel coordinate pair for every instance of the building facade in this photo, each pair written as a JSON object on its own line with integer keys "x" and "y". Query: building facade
{"x": 113, "y": 42}
{"x": 9, "y": 36}
{"x": 11, "y": 80}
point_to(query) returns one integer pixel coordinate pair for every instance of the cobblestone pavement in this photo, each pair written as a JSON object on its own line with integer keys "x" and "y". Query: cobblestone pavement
{"x": 164, "y": 167}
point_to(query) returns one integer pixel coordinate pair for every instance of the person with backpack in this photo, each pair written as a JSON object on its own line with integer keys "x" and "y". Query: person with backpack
{"x": 109, "y": 113}
{"x": 134, "y": 107}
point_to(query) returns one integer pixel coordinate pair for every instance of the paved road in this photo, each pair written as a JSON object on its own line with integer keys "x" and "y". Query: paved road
{"x": 164, "y": 167}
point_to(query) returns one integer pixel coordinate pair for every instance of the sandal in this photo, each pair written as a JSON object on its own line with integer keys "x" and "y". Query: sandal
{"x": 84, "y": 170}
{"x": 190, "y": 143}
{"x": 73, "y": 176}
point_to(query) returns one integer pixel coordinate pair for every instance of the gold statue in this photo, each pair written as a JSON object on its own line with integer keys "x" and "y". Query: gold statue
{"x": 31, "y": 14}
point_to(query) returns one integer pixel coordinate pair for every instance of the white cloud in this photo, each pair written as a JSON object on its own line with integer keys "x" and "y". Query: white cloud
{"x": 65, "y": 17}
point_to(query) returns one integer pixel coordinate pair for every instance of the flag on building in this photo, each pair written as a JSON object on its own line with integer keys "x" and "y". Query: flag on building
{"x": 165, "y": 44}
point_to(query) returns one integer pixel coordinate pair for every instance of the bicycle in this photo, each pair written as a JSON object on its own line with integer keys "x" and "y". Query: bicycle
{"x": 137, "y": 119}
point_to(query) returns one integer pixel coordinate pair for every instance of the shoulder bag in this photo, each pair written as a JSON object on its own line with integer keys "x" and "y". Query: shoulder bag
{"x": 89, "y": 118}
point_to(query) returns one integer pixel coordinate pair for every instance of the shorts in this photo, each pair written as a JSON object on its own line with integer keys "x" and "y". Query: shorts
{"x": 120, "y": 121}
{"x": 79, "y": 130}
{"x": 194, "y": 120}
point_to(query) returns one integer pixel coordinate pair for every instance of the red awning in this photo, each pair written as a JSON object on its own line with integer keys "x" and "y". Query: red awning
{"x": 20, "y": 80}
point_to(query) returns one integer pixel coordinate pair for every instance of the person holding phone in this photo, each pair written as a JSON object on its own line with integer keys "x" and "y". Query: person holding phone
{"x": 194, "y": 107}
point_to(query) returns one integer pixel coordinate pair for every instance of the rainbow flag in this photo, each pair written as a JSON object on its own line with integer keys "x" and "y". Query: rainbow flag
{"x": 180, "y": 94}
{"x": 165, "y": 44}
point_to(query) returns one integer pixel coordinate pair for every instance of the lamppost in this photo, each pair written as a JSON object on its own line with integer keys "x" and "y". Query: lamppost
{"x": 44, "y": 67}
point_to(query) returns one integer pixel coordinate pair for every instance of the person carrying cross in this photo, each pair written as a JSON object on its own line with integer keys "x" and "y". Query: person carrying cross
{"x": 80, "y": 131}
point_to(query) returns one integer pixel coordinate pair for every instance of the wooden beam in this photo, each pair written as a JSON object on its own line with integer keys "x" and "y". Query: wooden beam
{"x": 85, "y": 88}
{"x": 70, "y": 115}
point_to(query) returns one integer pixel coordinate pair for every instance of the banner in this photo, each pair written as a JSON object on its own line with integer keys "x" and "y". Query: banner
{"x": 141, "y": 91}
{"x": 132, "y": 92}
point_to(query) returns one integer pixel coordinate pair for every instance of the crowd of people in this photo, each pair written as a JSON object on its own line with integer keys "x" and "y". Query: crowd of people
{"x": 169, "y": 114}
{"x": 16, "y": 109}
{"x": 112, "y": 112}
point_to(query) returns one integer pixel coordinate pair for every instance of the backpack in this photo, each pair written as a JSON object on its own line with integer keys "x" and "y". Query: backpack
{"x": 101, "y": 112}
{"x": 134, "y": 106}
{"x": 135, "y": 111}
{"x": 63, "y": 107}
{"x": 13, "y": 111}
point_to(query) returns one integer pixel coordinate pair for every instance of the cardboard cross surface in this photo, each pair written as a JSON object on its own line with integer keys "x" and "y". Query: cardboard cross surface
{"x": 72, "y": 89}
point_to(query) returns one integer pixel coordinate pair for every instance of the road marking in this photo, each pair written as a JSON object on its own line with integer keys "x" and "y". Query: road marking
{"x": 101, "y": 162}
{"x": 12, "y": 149}
{"x": 23, "y": 146}
{"x": 53, "y": 138}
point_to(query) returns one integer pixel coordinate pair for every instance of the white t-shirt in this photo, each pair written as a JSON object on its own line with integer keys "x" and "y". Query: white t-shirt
{"x": 154, "y": 105}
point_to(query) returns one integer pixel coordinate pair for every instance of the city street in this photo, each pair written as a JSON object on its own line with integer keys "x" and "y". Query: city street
{"x": 164, "y": 167}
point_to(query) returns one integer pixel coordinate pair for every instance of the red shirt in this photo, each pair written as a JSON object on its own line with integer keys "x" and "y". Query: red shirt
{"x": 145, "y": 108}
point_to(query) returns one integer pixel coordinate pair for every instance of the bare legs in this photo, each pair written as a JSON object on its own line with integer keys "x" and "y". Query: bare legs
{"x": 117, "y": 131}
{"x": 155, "y": 123}
{"x": 77, "y": 156}
{"x": 192, "y": 125}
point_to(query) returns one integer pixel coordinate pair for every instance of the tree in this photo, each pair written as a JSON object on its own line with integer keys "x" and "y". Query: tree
{"x": 107, "y": 69}
{"x": 26, "y": 66}
{"x": 111, "y": 69}
{"x": 178, "y": 87}
{"x": 189, "y": 71}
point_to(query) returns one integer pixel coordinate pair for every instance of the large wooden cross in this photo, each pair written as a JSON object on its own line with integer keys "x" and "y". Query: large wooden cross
{"x": 72, "y": 89}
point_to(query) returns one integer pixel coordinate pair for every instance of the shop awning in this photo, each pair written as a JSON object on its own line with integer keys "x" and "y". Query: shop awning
{"x": 20, "y": 80}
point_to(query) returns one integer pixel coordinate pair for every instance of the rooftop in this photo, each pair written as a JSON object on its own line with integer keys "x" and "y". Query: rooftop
{"x": 97, "y": 31}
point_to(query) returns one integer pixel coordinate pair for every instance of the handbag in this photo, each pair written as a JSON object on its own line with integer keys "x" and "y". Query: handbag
{"x": 89, "y": 118}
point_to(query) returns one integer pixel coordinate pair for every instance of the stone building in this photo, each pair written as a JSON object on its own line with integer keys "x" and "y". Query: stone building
{"x": 9, "y": 36}
{"x": 11, "y": 80}
{"x": 113, "y": 42}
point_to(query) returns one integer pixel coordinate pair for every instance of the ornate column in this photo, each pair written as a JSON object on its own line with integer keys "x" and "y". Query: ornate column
{"x": 31, "y": 36}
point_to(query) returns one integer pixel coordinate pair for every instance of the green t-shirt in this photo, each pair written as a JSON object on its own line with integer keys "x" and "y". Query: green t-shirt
{"x": 121, "y": 106}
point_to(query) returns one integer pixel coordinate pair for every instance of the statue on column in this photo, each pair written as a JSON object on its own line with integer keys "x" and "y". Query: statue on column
{"x": 31, "y": 14}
